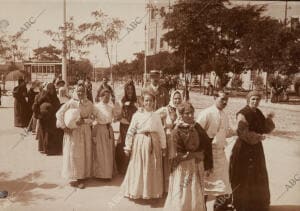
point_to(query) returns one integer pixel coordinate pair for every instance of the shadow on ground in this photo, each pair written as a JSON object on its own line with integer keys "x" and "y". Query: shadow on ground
{"x": 285, "y": 208}
{"x": 23, "y": 189}
{"x": 116, "y": 181}
{"x": 153, "y": 203}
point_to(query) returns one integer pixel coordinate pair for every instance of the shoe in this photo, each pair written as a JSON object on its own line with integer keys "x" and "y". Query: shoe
{"x": 3, "y": 194}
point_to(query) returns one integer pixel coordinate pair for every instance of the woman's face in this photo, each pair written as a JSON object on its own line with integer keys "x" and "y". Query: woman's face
{"x": 177, "y": 99}
{"x": 106, "y": 97}
{"x": 130, "y": 91}
{"x": 188, "y": 117}
{"x": 148, "y": 102}
{"x": 254, "y": 101}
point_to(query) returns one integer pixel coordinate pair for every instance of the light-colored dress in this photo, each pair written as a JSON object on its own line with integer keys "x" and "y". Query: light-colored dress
{"x": 168, "y": 115}
{"x": 216, "y": 123}
{"x": 186, "y": 183}
{"x": 145, "y": 138}
{"x": 77, "y": 145}
{"x": 104, "y": 150}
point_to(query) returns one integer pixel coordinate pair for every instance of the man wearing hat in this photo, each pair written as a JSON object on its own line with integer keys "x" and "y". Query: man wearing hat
{"x": 161, "y": 94}
{"x": 104, "y": 85}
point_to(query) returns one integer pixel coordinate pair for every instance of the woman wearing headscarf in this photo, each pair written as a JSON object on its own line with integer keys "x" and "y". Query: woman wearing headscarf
{"x": 190, "y": 155}
{"x": 32, "y": 93}
{"x": 75, "y": 118}
{"x": 36, "y": 114}
{"x": 145, "y": 144}
{"x": 169, "y": 115}
{"x": 128, "y": 109}
{"x": 248, "y": 172}
{"x": 21, "y": 108}
{"x": 104, "y": 165}
{"x": 45, "y": 108}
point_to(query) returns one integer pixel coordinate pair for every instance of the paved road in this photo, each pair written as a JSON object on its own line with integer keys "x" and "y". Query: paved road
{"x": 34, "y": 181}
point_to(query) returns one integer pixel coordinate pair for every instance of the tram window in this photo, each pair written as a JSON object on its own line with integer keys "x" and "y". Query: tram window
{"x": 40, "y": 69}
{"x": 48, "y": 69}
{"x": 44, "y": 69}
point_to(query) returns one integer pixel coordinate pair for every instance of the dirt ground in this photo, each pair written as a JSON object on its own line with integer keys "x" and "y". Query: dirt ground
{"x": 34, "y": 182}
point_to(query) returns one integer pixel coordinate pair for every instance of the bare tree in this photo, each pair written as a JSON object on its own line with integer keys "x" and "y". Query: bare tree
{"x": 103, "y": 31}
{"x": 74, "y": 42}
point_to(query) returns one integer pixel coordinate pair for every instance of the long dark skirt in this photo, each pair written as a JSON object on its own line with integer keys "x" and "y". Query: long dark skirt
{"x": 50, "y": 139}
{"x": 249, "y": 177}
{"x": 121, "y": 159}
{"x": 22, "y": 113}
{"x": 39, "y": 137}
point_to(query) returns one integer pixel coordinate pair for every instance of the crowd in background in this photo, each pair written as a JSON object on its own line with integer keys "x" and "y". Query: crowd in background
{"x": 163, "y": 149}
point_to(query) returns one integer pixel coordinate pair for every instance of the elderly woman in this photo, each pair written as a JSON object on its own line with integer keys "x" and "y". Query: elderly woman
{"x": 248, "y": 172}
{"x": 169, "y": 115}
{"x": 104, "y": 165}
{"x": 189, "y": 150}
{"x": 45, "y": 107}
{"x": 128, "y": 109}
{"x": 75, "y": 118}
{"x": 145, "y": 143}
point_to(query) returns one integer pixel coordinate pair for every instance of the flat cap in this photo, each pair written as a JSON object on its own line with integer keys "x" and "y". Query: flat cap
{"x": 154, "y": 73}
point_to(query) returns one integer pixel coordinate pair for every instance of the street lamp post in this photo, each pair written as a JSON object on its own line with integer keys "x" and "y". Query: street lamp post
{"x": 64, "y": 59}
{"x": 145, "y": 53}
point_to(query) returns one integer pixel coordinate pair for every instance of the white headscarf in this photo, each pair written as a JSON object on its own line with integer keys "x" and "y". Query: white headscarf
{"x": 62, "y": 95}
{"x": 171, "y": 103}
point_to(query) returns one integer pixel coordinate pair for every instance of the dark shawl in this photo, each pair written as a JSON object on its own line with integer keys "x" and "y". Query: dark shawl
{"x": 248, "y": 172}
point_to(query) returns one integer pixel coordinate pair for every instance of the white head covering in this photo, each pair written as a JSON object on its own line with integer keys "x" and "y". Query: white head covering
{"x": 62, "y": 95}
{"x": 171, "y": 103}
{"x": 45, "y": 84}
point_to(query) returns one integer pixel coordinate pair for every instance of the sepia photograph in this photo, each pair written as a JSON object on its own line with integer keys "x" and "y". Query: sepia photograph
{"x": 150, "y": 105}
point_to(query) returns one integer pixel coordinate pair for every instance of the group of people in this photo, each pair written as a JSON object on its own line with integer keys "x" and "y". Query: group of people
{"x": 163, "y": 149}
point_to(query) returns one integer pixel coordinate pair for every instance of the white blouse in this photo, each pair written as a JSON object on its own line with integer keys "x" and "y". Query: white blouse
{"x": 106, "y": 112}
{"x": 216, "y": 123}
{"x": 143, "y": 121}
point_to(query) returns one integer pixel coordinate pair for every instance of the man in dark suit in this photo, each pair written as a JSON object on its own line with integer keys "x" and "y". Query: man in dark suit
{"x": 161, "y": 94}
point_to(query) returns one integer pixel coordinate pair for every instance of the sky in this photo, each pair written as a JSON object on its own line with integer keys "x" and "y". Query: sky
{"x": 50, "y": 12}
{"x": 17, "y": 12}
